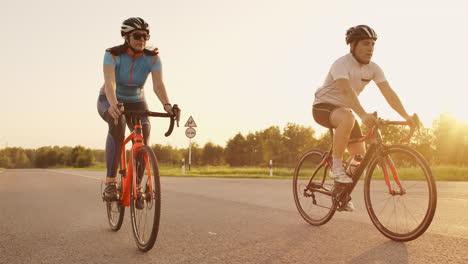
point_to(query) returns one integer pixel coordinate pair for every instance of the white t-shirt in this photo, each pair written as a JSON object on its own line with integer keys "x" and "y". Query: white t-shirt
{"x": 347, "y": 67}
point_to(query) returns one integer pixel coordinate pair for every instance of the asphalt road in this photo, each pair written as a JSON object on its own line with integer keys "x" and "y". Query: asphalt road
{"x": 56, "y": 216}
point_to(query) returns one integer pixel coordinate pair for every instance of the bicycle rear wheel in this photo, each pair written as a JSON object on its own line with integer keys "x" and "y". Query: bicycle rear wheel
{"x": 312, "y": 192}
{"x": 145, "y": 206}
{"x": 115, "y": 210}
{"x": 400, "y": 213}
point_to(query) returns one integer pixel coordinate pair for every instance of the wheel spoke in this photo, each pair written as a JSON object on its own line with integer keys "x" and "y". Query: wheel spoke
{"x": 410, "y": 214}
{"x": 387, "y": 200}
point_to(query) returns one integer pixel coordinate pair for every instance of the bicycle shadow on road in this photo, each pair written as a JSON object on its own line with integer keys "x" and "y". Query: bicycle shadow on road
{"x": 388, "y": 253}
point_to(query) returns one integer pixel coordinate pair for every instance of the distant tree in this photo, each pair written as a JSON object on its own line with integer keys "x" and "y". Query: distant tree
{"x": 297, "y": 139}
{"x": 18, "y": 158}
{"x": 236, "y": 151}
{"x": 64, "y": 156}
{"x": 324, "y": 142}
{"x": 424, "y": 142}
{"x": 212, "y": 154}
{"x": 393, "y": 134}
{"x": 167, "y": 154}
{"x": 5, "y": 161}
{"x": 253, "y": 149}
{"x": 31, "y": 154}
{"x": 46, "y": 157}
{"x": 81, "y": 157}
{"x": 271, "y": 144}
{"x": 99, "y": 155}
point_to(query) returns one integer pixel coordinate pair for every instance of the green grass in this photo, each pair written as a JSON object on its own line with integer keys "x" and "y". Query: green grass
{"x": 450, "y": 173}
{"x": 441, "y": 173}
{"x": 227, "y": 172}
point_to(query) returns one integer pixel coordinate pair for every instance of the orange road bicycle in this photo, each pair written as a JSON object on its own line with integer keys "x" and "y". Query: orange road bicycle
{"x": 138, "y": 183}
{"x": 399, "y": 189}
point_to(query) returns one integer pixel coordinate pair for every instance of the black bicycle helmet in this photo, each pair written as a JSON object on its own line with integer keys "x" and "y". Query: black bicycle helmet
{"x": 360, "y": 32}
{"x": 133, "y": 23}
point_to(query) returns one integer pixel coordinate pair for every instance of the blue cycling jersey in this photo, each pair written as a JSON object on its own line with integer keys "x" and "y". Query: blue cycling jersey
{"x": 131, "y": 73}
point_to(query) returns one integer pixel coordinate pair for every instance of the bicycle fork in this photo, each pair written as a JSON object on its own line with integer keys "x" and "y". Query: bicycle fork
{"x": 385, "y": 163}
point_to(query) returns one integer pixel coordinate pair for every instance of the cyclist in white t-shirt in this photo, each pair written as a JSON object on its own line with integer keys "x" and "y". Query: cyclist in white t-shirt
{"x": 336, "y": 100}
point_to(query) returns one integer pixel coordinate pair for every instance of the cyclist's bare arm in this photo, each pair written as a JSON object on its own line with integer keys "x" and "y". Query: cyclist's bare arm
{"x": 160, "y": 90}
{"x": 392, "y": 99}
{"x": 343, "y": 85}
{"x": 109, "y": 88}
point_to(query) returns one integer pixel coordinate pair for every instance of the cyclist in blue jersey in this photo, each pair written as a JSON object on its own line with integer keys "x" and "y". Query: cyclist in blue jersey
{"x": 126, "y": 68}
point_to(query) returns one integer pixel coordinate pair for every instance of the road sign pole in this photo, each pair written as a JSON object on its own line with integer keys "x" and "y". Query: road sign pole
{"x": 271, "y": 168}
{"x": 183, "y": 166}
{"x": 190, "y": 154}
{"x": 190, "y": 133}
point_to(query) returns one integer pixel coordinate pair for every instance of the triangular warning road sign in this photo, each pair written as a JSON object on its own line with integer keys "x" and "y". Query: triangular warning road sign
{"x": 190, "y": 122}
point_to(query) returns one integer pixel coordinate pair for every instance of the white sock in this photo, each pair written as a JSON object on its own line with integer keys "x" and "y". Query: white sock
{"x": 337, "y": 163}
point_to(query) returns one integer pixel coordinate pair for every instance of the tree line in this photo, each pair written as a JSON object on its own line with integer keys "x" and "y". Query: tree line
{"x": 445, "y": 143}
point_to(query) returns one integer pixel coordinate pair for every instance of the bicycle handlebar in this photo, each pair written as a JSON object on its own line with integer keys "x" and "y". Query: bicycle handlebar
{"x": 145, "y": 113}
{"x": 381, "y": 122}
{"x": 413, "y": 126}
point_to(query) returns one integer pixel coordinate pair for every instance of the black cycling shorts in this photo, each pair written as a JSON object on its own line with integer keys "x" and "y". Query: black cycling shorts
{"x": 321, "y": 113}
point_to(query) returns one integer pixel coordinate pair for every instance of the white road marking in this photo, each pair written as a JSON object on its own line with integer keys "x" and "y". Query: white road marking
{"x": 76, "y": 174}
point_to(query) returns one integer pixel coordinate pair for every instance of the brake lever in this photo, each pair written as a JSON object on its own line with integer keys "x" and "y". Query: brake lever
{"x": 176, "y": 110}
{"x": 414, "y": 126}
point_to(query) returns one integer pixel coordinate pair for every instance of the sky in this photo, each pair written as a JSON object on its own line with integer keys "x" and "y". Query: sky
{"x": 235, "y": 66}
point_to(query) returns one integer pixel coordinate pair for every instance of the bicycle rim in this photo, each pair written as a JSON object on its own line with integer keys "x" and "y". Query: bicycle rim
{"x": 146, "y": 209}
{"x": 115, "y": 211}
{"x": 401, "y": 217}
{"x": 315, "y": 207}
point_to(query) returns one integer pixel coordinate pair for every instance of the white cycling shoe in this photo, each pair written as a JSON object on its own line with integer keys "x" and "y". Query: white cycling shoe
{"x": 349, "y": 207}
{"x": 339, "y": 175}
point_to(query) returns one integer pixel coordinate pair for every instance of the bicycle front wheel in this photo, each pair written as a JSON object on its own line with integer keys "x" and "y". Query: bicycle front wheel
{"x": 115, "y": 210}
{"x": 145, "y": 204}
{"x": 311, "y": 189}
{"x": 400, "y": 193}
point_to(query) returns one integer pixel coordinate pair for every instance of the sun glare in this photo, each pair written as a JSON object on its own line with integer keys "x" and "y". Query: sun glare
{"x": 459, "y": 112}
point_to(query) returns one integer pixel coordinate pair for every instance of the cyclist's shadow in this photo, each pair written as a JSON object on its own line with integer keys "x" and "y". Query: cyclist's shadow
{"x": 388, "y": 253}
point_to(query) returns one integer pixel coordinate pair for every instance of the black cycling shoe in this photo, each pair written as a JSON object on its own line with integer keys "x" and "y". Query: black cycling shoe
{"x": 140, "y": 202}
{"x": 110, "y": 192}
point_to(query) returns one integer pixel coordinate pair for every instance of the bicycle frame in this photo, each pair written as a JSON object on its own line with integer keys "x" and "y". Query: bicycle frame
{"x": 377, "y": 150}
{"x": 130, "y": 174}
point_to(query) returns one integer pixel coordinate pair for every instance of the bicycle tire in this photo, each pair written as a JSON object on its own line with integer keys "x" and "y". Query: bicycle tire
{"x": 115, "y": 210}
{"x": 146, "y": 243}
{"x": 315, "y": 208}
{"x": 418, "y": 202}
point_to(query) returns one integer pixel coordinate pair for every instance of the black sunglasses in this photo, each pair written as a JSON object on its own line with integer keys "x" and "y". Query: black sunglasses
{"x": 138, "y": 36}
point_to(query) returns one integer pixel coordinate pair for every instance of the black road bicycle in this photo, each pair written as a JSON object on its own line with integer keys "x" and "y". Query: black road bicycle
{"x": 399, "y": 189}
